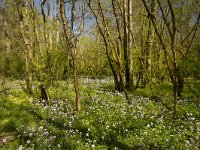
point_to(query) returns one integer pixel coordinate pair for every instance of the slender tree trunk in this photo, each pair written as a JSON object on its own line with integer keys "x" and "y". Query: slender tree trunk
{"x": 126, "y": 45}
{"x": 57, "y": 23}
{"x": 27, "y": 51}
{"x": 130, "y": 42}
{"x": 175, "y": 91}
{"x": 28, "y": 69}
{"x": 148, "y": 46}
{"x": 7, "y": 42}
{"x": 76, "y": 83}
{"x": 71, "y": 49}
{"x": 7, "y": 61}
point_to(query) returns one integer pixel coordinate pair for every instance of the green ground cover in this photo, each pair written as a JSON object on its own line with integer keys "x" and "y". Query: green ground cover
{"x": 105, "y": 122}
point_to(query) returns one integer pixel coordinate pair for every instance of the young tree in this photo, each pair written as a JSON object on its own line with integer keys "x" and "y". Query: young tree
{"x": 171, "y": 52}
{"x": 5, "y": 28}
{"x": 73, "y": 23}
{"x": 114, "y": 21}
{"x": 22, "y": 10}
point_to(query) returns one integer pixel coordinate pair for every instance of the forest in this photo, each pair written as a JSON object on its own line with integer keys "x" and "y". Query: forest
{"x": 99, "y": 74}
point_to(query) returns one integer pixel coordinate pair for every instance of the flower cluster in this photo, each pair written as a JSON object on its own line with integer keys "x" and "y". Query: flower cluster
{"x": 107, "y": 121}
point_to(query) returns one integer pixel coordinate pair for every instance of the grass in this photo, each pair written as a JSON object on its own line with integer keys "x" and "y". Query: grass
{"x": 105, "y": 122}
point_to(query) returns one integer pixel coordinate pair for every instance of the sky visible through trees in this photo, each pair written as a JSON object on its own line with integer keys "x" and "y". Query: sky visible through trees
{"x": 96, "y": 74}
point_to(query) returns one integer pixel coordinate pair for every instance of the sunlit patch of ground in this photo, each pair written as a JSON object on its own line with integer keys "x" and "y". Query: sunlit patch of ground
{"x": 105, "y": 122}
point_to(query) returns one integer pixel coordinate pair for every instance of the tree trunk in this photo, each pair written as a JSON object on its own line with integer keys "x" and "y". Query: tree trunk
{"x": 71, "y": 48}
{"x": 130, "y": 42}
{"x": 27, "y": 51}
{"x": 175, "y": 91}
{"x": 127, "y": 44}
{"x": 7, "y": 61}
{"x": 76, "y": 83}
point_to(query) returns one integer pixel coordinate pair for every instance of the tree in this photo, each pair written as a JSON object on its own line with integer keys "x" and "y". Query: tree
{"x": 4, "y": 28}
{"x": 27, "y": 50}
{"x": 114, "y": 21}
{"x": 73, "y": 28}
{"x": 171, "y": 52}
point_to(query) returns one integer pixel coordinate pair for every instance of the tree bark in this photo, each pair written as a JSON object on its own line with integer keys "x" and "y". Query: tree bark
{"x": 171, "y": 57}
{"x": 128, "y": 84}
{"x": 27, "y": 51}
{"x": 71, "y": 48}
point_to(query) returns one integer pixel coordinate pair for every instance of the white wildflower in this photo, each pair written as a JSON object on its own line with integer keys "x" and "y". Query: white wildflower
{"x": 58, "y": 145}
{"x": 30, "y": 134}
{"x": 20, "y": 147}
{"x": 28, "y": 142}
{"x": 4, "y": 140}
{"x": 40, "y": 128}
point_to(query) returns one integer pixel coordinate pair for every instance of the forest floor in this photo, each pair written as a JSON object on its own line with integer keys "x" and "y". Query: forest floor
{"x": 106, "y": 120}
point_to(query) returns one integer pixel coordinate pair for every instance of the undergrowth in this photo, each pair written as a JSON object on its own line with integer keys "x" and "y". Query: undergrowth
{"x": 105, "y": 122}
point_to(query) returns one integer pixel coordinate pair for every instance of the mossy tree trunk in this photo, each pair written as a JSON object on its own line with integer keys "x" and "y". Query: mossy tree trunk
{"x": 27, "y": 50}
